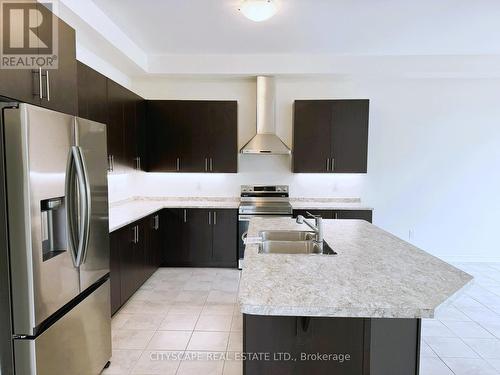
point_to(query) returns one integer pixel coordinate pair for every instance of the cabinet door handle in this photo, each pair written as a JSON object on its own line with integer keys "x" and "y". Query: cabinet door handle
{"x": 327, "y": 164}
{"x": 211, "y": 165}
{"x": 209, "y": 218}
{"x": 215, "y": 217}
{"x": 206, "y": 164}
{"x": 40, "y": 82}
{"x": 40, "y": 86}
{"x": 135, "y": 232}
{"x": 332, "y": 164}
{"x": 156, "y": 222}
{"x": 138, "y": 163}
{"x": 178, "y": 164}
{"x": 47, "y": 82}
{"x": 185, "y": 215}
{"x": 110, "y": 164}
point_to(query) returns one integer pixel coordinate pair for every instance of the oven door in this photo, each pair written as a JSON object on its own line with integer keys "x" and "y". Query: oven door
{"x": 243, "y": 223}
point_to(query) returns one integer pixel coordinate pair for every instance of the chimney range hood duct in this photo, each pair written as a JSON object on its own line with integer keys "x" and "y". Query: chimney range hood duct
{"x": 266, "y": 142}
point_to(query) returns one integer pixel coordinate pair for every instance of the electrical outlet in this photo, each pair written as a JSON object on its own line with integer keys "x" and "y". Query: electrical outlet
{"x": 411, "y": 234}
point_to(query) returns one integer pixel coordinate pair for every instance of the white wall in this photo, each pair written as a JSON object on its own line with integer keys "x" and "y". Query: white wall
{"x": 253, "y": 169}
{"x": 434, "y": 155}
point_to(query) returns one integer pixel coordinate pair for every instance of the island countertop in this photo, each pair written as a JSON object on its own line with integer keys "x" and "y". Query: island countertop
{"x": 374, "y": 275}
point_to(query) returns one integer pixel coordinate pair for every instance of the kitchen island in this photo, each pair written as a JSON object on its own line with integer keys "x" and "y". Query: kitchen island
{"x": 357, "y": 312}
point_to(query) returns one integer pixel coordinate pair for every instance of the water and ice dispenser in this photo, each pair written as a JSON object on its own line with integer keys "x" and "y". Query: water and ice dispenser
{"x": 54, "y": 232}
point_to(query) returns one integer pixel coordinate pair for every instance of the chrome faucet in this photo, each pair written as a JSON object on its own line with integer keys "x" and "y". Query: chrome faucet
{"x": 317, "y": 228}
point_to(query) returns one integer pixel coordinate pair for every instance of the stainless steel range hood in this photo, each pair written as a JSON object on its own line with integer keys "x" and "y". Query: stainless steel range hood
{"x": 266, "y": 142}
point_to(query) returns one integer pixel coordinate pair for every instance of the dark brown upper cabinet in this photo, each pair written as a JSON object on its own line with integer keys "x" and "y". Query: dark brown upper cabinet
{"x": 312, "y": 127}
{"x": 131, "y": 139}
{"x": 61, "y": 83}
{"x": 115, "y": 126}
{"x": 50, "y": 88}
{"x": 140, "y": 116}
{"x": 223, "y": 136}
{"x": 92, "y": 94}
{"x": 163, "y": 136}
{"x": 192, "y": 136}
{"x": 125, "y": 120}
{"x": 330, "y": 136}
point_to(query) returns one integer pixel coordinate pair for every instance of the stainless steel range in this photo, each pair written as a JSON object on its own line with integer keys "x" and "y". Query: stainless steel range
{"x": 260, "y": 201}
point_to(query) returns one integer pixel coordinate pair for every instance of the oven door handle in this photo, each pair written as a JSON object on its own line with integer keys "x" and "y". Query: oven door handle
{"x": 250, "y": 240}
{"x": 264, "y": 216}
{"x": 245, "y": 217}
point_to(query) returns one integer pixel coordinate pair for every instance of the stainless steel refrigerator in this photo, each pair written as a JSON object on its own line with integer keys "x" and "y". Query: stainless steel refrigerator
{"x": 56, "y": 173}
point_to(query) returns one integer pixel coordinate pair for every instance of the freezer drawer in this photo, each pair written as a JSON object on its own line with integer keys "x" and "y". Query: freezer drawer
{"x": 78, "y": 344}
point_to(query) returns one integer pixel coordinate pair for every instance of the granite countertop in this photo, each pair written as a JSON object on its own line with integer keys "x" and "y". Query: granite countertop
{"x": 328, "y": 204}
{"x": 375, "y": 274}
{"x": 126, "y": 212}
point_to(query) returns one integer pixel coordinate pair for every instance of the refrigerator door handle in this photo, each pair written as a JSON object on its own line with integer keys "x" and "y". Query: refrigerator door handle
{"x": 71, "y": 215}
{"x": 86, "y": 206}
{"x": 76, "y": 169}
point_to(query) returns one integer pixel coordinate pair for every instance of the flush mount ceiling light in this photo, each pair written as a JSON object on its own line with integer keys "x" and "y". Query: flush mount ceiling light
{"x": 258, "y": 10}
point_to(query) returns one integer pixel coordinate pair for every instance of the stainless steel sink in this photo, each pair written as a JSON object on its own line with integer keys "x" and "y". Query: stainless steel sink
{"x": 289, "y": 247}
{"x": 291, "y": 242}
{"x": 286, "y": 235}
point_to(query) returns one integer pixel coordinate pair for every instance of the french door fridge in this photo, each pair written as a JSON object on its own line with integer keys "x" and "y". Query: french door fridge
{"x": 56, "y": 172}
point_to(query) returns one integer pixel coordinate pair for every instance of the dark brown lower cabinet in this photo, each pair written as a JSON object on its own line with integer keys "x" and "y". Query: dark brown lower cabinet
{"x": 135, "y": 256}
{"x": 323, "y": 346}
{"x": 225, "y": 238}
{"x": 172, "y": 237}
{"x": 337, "y": 214}
{"x": 199, "y": 228}
{"x": 201, "y": 238}
{"x": 154, "y": 227}
{"x": 353, "y": 214}
{"x": 175, "y": 250}
{"x": 116, "y": 239}
{"x": 132, "y": 259}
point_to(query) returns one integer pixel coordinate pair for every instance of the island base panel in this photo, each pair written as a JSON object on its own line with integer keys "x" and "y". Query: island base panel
{"x": 342, "y": 346}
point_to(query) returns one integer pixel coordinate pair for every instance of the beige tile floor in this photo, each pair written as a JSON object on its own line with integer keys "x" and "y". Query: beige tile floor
{"x": 464, "y": 337}
{"x": 181, "y": 321}
{"x": 186, "y": 321}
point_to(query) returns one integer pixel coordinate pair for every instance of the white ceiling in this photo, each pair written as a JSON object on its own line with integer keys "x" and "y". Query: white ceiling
{"x": 359, "y": 27}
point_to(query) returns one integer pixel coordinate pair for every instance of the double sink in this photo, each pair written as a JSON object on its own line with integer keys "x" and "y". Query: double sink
{"x": 291, "y": 242}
